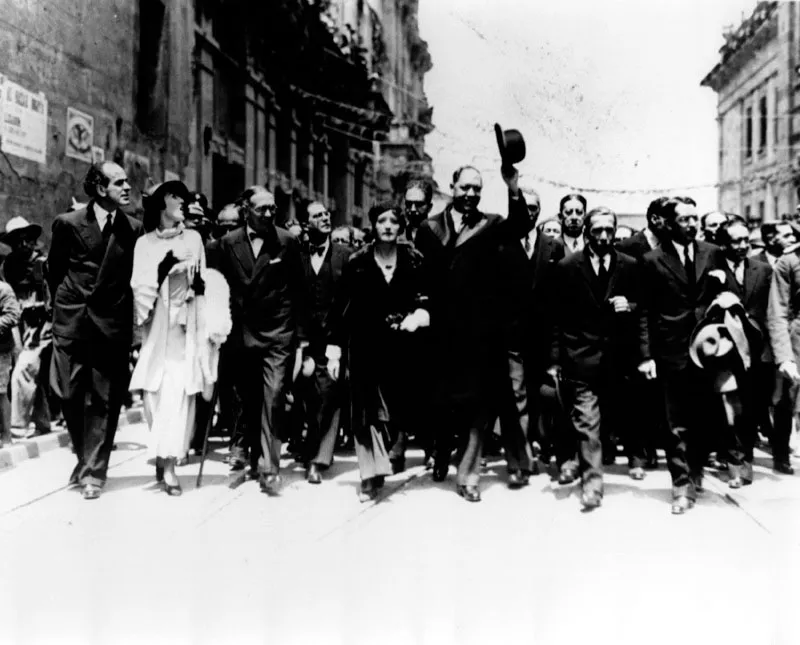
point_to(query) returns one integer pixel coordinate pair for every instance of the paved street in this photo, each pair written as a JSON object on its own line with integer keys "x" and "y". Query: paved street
{"x": 419, "y": 566}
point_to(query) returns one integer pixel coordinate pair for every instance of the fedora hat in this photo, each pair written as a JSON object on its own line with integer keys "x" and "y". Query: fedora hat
{"x": 18, "y": 227}
{"x": 710, "y": 342}
{"x": 511, "y": 145}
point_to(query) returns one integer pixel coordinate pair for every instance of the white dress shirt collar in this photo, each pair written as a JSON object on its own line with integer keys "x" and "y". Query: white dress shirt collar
{"x": 101, "y": 215}
{"x": 574, "y": 243}
{"x": 255, "y": 242}
{"x": 458, "y": 220}
{"x": 682, "y": 249}
{"x": 530, "y": 239}
{"x": 317, "y": 259}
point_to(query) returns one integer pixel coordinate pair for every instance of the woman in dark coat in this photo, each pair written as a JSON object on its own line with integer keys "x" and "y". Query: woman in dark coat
{"x": 381, "y": 303}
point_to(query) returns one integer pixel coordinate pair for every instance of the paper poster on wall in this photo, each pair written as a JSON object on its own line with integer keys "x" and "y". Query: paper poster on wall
{"x": 80, "y": 135}
{"x": 98, "y": 154}
{"x": 24, "y": 121}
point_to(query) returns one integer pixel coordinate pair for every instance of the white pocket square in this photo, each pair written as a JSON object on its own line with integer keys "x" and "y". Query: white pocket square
{"x": 275, "y": 260}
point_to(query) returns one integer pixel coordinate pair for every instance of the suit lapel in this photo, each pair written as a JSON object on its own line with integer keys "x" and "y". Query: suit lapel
{"x": 120, "y": 240}
{"x": 613, "y": 275}
{"x": 590, "y": 276}
{"x": 270, "y": 250}
{"x": 669, "y": 258}
{"x": 751, "y": 271}
{"x": 701, "y": 256}
{"x": 468, "y": 232}
{"x": 442, "y": 226}
{"x": 731, "y": 283}
{"x": 244, "y": 251}
{"x": 89, "y": 230}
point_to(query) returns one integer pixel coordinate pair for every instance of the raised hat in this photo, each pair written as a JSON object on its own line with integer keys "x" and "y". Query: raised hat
{"x": 511, "y": 145}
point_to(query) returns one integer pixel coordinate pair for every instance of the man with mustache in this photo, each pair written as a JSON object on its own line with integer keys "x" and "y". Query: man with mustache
{"x": 89, "y": 274}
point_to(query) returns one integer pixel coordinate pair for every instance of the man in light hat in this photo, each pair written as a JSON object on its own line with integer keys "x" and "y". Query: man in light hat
{"x": 24, "y": 270}
{"x": 89, "y": 274}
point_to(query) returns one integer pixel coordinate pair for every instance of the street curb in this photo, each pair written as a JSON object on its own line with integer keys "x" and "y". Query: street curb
{"x": 24, "y": 449}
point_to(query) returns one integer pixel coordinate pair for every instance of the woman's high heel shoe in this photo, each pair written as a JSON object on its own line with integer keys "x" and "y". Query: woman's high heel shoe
{"x": 173, "y": 491}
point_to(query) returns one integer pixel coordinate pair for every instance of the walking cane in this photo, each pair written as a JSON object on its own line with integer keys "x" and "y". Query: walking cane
{"x": 210, "y": 420}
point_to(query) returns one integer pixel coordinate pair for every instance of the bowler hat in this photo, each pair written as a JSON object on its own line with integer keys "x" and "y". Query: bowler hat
{"x": 511, "y": 145}
{"x": 18, "y": 227}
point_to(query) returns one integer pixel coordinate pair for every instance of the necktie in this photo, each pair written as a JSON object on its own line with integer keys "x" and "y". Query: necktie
{"x": 317, "y": 249}
{"x": 107, "y": 228}
{"x": 688, "y": 264}
{"x": 526, "y": 241}
{"x": 256, "y": 236}
{"x": 602, "y": 278}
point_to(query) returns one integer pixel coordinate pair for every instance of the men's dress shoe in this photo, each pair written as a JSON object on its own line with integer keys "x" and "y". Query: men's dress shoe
{"x": 270, "y": 484}
{"x": 591, "y": 500}
{"x": 636, "y": 473}
{"x": 783, "y": 467}
{"x": 314, "y": 476}
{"x": 236, "y": 464}
{"x": 681, "y": 504}
{"x": 517, "y": 479}
{"x": 440, "y": 472}
{"x": 566, "y": 477}
{"x": 398, "y": 464}
{"x": 470, "y": 493}
{"x": 735, "y": 482}
{"x": 90, "y": 491}
{"x": 430, "y": 462}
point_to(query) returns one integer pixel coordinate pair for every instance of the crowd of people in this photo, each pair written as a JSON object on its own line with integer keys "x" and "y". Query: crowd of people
{"x": 573, "y": 335}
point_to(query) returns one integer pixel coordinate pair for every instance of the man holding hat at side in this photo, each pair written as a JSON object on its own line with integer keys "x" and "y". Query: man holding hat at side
{"x": 24, "y": 272}
{"x": 89, "y": 273}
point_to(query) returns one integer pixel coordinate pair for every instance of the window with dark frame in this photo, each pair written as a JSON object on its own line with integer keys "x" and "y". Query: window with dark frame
{"x": 763, "y": 121}
{"x": 748, "y": 142}
{"x": 151, "y": 99}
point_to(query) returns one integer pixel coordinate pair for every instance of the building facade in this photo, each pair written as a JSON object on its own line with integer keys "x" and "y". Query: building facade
{"x": 315, "y": 99}
{"x": 757, "y": 81}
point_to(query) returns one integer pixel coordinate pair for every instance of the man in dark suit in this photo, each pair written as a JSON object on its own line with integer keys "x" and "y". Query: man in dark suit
{"x": 528, "y": 262}
{"x": 89, "y": 274}
{"x": 678, "y": 288}
{"x": 571, "y": 214}
{"x": 750, "y": 281}
{"x": 264, "y": 270}
{"x": 323, "y": 263}
{"x": 600, "y": 335}
{"x": 461, "y": 247}
{"x": 646, "y": 397}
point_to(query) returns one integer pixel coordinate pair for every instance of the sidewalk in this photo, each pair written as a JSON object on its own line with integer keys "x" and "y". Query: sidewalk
{"x": 773, "y": 500}
{"x": 33, "y": 447}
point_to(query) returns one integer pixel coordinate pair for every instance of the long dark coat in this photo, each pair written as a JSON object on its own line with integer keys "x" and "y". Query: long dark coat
{"x": 379, "y": 359}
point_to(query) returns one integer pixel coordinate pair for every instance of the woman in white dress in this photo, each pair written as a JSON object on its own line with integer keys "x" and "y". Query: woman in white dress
{"x": 178, "y": 356}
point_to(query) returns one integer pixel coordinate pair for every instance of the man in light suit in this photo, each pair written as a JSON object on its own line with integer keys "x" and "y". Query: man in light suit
{"x": 600, "y": 335}
{"x": 678, "y": 287}
{"x": 89, "y": 274}
{"x": 264, "y": 269}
